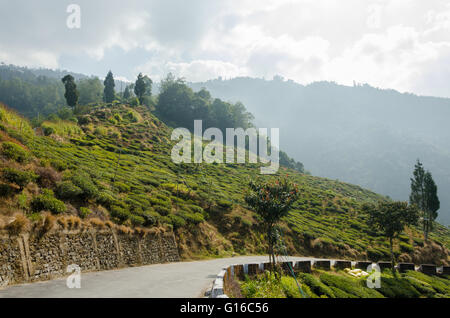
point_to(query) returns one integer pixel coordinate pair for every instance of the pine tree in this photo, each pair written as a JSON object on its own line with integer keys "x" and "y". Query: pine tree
{"x": 109, "y": 93}
{"x": 71, "y": 93}
{"x": 126, "y": 93}
{"x": 424, "y": 195}
{"x": 431, "y": 201}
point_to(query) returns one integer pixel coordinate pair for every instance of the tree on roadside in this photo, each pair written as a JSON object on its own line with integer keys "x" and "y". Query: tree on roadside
{"x": 109, "y": 93}
{"x": 271, "y": 200}
{"x": 71, "y": 93}
{"x": 391, "y": 218}
{"x": 424, "y": 195}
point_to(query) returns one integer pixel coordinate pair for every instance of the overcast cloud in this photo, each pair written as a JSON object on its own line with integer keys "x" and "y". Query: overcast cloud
{"x": 400, "y": 44}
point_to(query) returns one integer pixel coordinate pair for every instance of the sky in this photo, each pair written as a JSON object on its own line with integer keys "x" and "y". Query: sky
{"x": 398, "y": 44}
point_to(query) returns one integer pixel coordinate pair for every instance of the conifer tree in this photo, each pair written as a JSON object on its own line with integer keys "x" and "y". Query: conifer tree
{"x": 109, "y": 92}
{"x": 71, "y": 93}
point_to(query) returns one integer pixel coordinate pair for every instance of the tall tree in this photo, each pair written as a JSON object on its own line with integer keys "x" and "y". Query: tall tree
{"x": 431, "y": 201}
{"x": 126, "y": 93}
{"x": 143, "y": 87}
{"x": 391, "y": 219}
{"x": 109, "y": 93}
{"x": 272, "y": 201}
{"x": 71, "y": 93}
{"x": 424, "y": 195}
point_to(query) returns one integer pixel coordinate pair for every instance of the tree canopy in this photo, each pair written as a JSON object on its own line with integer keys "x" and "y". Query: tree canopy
{"x": 179, "y": 105}
{"x": 391, "y": 218}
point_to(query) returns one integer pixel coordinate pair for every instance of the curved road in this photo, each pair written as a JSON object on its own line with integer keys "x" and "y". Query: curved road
{"x": 174, "y": 280}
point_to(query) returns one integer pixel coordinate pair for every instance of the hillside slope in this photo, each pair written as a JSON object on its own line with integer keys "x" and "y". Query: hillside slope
{"x": 114, "y": 164}
{"x": 361, "y": 134}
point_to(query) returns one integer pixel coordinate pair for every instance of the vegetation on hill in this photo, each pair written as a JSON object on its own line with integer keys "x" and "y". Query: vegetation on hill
{"x": 358, "y": 134}
{"x": 339, "y": 284}
{"x": 113, "y": 163}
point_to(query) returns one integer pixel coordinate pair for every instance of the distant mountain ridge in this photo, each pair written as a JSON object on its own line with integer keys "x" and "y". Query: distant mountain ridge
{"x": 360, "y": 134}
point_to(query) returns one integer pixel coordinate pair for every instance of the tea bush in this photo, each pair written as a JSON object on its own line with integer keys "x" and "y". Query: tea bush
{"x": 15, "y": 152}
{"x": 47, "y": 202}
{"x": 19, "y": 177}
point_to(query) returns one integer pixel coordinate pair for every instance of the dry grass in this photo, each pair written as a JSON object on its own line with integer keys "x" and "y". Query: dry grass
{"x": 48, "y": 223}
{"x": 74, "y": 222}
{"x": 109, "y": 224}
{"x": 125, "y": 230}
{"x": 97, "y": 223}
{"x": 20, "y": 224}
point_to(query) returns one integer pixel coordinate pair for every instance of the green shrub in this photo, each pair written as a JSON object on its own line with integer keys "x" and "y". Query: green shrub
{"x": 440, "y": 285}
{"x": 176, "y": 221}
{"x": 84, "y": 212}
{"x": 349, "y": 285}
{"x": 106, "y": 198}
{"x": 84, "y": 182}
{"x": 22, "y": 200}
{"x": 194, "y": 218}
{"x": 48, "y": 130}
{"x": 6, "y": 190}
{"x": 406, "y": 248}
{"x": 225, "y": 204}
{"x": 120, "y": 213}
{"x": 67, "y": 190}
{"x": 196, "y": 209}
{"x": 316, "y": 286}
{"x": 15, "y": 152}
{"x": 137, "y": 220}
{"x": 162, "y": 210}
{"x": 291, "y": 290}
{"x": 58, "y": 165}
{"x": 122, "y": 187}
{"x": 418, "y": 241}
{"x": 19, "y": 177}
{"x": 375, "y": 254}
{"x": 397, "y": 287}
{"x": 264, "y": 286}
{"x": 47, "y": 202}
{"x": 149, "y": 181}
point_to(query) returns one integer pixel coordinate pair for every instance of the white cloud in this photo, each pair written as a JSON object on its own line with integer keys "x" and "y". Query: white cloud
{"x": 401, "y": 44}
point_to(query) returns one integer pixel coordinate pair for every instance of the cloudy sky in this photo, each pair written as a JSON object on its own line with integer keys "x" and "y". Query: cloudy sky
{"x": 400, "y": 44}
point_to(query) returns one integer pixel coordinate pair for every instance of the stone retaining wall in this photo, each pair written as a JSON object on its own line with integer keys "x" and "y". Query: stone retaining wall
{"x": 34, "y": 257}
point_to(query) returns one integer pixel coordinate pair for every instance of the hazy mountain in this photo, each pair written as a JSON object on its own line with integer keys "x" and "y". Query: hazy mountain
{"x": 360, "y": 134}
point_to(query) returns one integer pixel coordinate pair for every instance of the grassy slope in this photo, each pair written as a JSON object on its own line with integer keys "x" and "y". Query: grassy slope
{"x": 126, "y": 152}
{"x": 341, "y": 285}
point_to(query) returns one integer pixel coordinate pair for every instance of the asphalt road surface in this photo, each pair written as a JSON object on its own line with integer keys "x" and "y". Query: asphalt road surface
{"x": 174, "y": 280}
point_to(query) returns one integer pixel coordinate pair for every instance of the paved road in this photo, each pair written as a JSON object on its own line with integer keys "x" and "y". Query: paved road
{"x": 174, "y": 280}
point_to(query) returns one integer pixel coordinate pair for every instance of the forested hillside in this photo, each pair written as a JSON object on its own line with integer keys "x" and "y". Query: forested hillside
{"x": 114, "y": 165}
{"x": 361, "y": 134}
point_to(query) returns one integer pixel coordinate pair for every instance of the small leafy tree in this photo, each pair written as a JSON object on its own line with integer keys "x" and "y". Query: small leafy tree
{"x": 272, "y": 200}
{"x": 391, "y": 218}
{"x": 71, "y": 93}
{"x": 424, "y": 195}
{"x": 109, "y": 93}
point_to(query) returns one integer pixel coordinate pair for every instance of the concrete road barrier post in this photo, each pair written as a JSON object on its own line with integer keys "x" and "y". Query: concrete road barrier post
{"x": 303, "y": 266}
{"x": 342, "y": 264}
